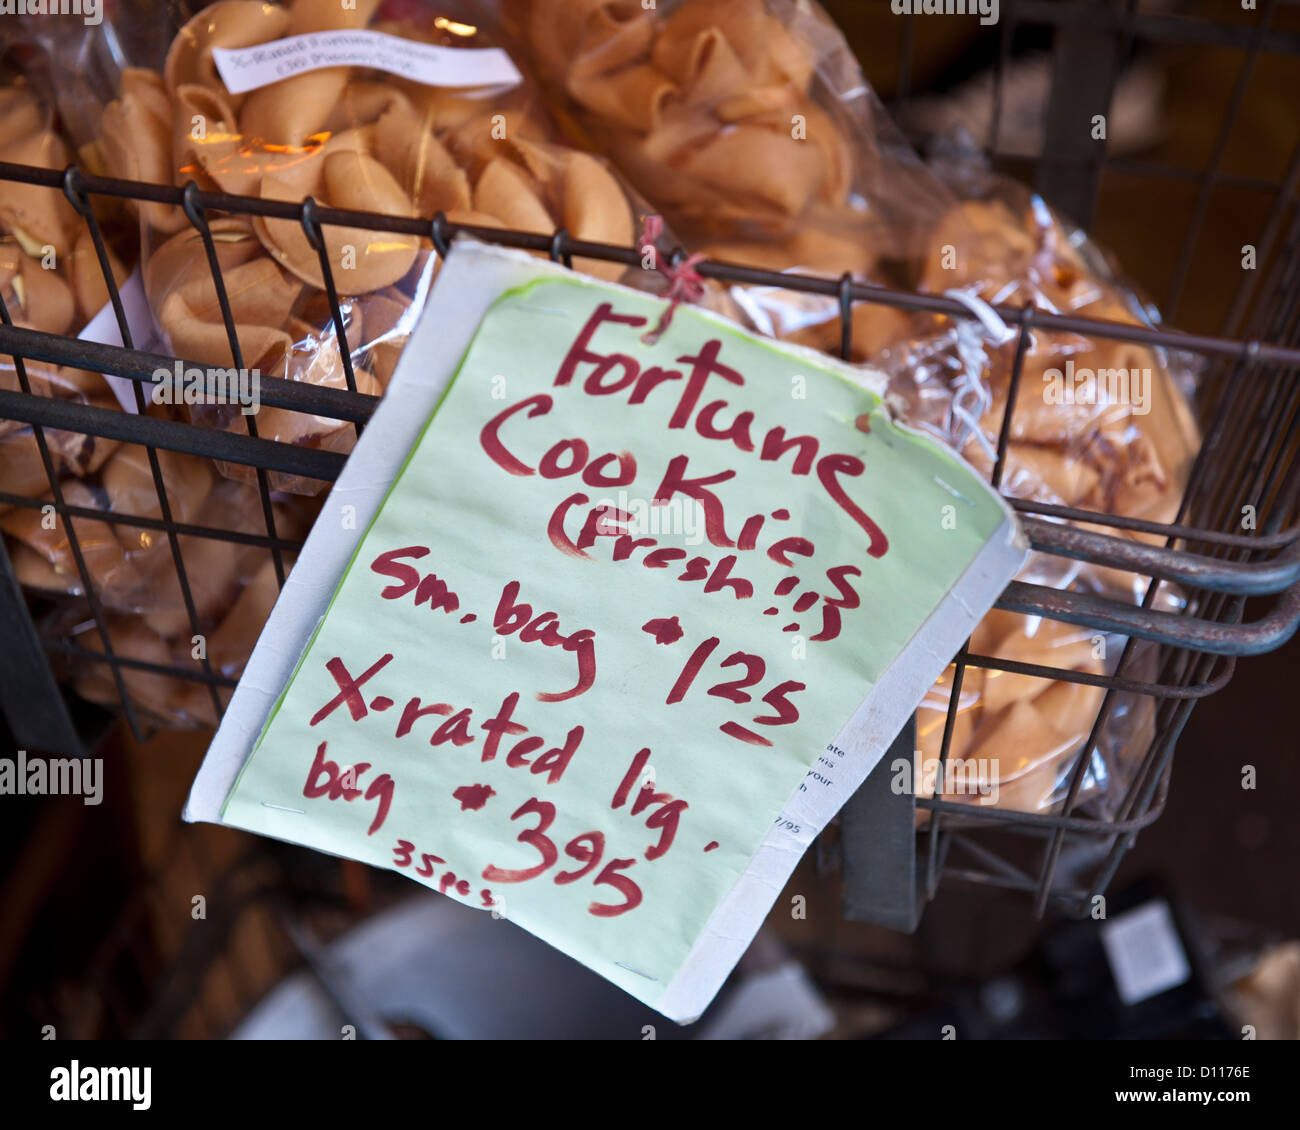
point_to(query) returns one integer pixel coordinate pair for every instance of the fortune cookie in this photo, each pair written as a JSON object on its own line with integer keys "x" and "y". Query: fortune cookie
{"x": 1122, "y": 448}
{"x": 50, "y": 278}
{"x": 232, "y": 642}
{"x": 51, "y": 565}
{"x": 161, "y": 696}
{"x": 1013, "y": 734}
{"x": 1098, "y": 424}
{"x": 707, "y": 108}
{"x": 750, "y": 127}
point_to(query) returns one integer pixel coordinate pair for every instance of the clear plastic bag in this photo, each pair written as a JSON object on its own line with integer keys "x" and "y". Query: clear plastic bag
{"x": 1017, "y": 738}
{"x": 749, "y": 124}
{"x": 1099, "y": 425}
{"x": 50, "y": 280}
{"x": 131, "y": 566}
{"x": 232, "y": 585}
{"x": 370, "y": 141}
{"x": 22, "y": 470}
{"x": 166, "y": 699}
{"x": 49, "y": 274}
{"x": 350, "y": 137}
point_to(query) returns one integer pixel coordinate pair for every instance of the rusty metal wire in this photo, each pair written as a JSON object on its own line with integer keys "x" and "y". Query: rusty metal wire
{"x": 1248, "y": 458}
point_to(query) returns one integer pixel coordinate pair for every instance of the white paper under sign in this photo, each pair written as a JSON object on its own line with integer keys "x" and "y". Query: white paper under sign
{"x": 103, "y": 328}
{"x": 598, "y": 633}
{"x": 247, "y": 68}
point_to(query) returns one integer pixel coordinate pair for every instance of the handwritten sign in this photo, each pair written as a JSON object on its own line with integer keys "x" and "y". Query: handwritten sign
{"x": 596, "y": 634}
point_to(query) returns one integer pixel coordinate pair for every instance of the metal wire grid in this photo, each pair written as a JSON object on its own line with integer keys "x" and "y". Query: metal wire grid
{"x": 1218, "y": 567}
{"x": 1248, "y": 458}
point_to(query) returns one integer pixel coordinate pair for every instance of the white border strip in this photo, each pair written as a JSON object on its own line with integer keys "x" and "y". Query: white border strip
{"x": 471, "y": 280}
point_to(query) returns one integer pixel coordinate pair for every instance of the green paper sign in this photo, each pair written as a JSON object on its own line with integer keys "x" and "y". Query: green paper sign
{"x": 594, "y": 662}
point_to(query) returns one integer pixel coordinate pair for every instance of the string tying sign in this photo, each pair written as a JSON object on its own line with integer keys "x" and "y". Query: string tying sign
{"x": 596, "y": 630}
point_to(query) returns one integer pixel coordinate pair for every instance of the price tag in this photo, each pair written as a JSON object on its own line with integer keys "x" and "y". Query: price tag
{"x": 597, "y": 634}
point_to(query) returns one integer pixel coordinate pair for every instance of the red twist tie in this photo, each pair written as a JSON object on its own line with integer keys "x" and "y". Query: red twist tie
{"x": 685, "y": 284}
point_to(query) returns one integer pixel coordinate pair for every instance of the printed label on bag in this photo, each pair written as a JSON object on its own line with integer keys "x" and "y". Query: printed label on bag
{"x": 247, "y": 68}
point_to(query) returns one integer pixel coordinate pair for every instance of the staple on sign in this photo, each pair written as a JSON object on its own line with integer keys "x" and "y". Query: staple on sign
{"x": 544, "y": 310}
{"x": 952, "y": 490}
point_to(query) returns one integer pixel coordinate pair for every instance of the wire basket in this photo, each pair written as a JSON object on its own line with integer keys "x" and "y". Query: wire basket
{"x": 1248, "y": 459}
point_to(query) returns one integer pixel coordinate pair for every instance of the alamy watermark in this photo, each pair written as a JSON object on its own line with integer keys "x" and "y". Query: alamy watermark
{"x": 1131, "y": 387}
{"x": 642, "y": 517}
{"x": 957, "y": 776}
{"x": 181, "y": 385}
{"x": 987, "y": 10}
{"x": 54, "y": 776}
{"x": 90, "y": 11}
{"x": 87, "y": 1083}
